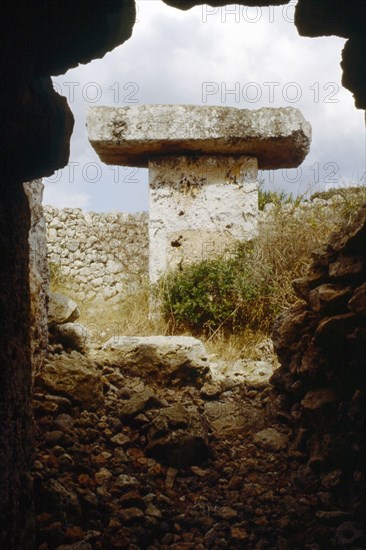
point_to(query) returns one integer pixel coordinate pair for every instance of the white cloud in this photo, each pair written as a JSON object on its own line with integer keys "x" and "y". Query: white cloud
{"x": 62, "y": 197}
{"x": 170, "y": 56}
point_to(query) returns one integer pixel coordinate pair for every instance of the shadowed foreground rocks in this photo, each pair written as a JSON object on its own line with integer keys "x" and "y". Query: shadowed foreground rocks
{"x": 169, "y": 464}
{"x": 160, "y": 465}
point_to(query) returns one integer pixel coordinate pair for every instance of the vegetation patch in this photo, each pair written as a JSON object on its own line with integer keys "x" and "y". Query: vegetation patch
{"x": 248, "y": 288}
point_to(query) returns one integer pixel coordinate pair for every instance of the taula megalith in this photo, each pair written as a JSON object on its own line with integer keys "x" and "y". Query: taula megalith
{"x": 203, "y": 165}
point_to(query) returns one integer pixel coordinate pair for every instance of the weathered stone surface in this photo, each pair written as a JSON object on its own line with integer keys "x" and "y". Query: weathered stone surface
{"x": 137, "y": 403}
{"x": 73, "y": 376}
{"x": 354, "y": 68}
{"x": 314, "y": 18}
{"x": 315, "y": 400}
{"x": 177, "y": 437}
{"x": 16, "y": 427}
{"x": 341, "y": 18}
{"x": 225, "y": 417}
{"x": 249, "y": 372}
{"x": 301, "y": 288}
{"x": 169, "y": 357}
{"x": 36, "y": 39}
{"x": 329, "y": 297}
{"x": 41, "y": 130}
{"x": 210, "y": 391}
{"x": 61, "y": 309}
{"x": 199, "y": 207}
{"x": 357, "y": 303}
{"x": 73, "y": 335}
{"x": 289, "y": 329}
{"x": 271, "y": 439}
{"x": 84, "y": 32}
{"x": 337, "y": 327}
{"x": 349, "y": 533}
{"x": 61, "y": 497}
{"x": 353, "y": 237}
{"x": 347, "y": 266}
{"x": 131, "y": 136}
{"x": 33, "y": 108}
{"x": 38, "y": 274}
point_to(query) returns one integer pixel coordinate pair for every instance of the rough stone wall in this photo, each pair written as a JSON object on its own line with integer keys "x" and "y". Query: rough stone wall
{"x": 320, "y": 385}
{"x": 97, "y": 256}
{"x": 38, "y": 274}
{"x": 16, "y": 428}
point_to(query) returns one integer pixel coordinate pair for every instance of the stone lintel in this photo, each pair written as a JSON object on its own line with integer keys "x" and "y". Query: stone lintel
{"x": 131, "y": 136}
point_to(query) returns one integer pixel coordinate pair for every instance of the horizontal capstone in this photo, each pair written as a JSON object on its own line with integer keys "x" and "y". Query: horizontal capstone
{"x": 130, "y": 136}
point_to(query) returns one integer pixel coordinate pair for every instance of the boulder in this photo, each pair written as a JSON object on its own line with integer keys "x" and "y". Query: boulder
{"x": 61, "y": 309}
{"x": 177, "y": 437}
{"x": 74, "y": 377}
{"x": 167, "y": 357}
{"x": 73, "y": 336}
{"x": 271, "y": 440}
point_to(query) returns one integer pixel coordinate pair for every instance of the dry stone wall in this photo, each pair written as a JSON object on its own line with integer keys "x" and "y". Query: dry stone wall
{"x": 320, "y": 385}
{"x": 97, "y": 256}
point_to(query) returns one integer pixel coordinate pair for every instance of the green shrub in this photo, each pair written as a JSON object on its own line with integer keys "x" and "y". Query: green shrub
{"x": 251, "y": 287}
{"x": 212, "y": 294}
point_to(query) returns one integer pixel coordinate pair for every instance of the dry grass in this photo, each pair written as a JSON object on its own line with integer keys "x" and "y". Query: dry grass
{"x": 279, "y": 254}
{"x": 287, "y": 237}
{"x": 232, "y": 347}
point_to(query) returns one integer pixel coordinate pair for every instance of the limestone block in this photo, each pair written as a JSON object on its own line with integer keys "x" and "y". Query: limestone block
{"x": 73, "y": 376}
{"x": 73, "y": 336}
{"x": 61, "y": 309}
{"x": 169, "y": 357}
{"x": 199, "y": 207}
{"x": 130, "y": 136}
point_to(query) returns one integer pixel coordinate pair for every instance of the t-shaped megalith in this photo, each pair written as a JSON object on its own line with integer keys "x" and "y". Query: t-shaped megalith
{"x": 203, "y": 164}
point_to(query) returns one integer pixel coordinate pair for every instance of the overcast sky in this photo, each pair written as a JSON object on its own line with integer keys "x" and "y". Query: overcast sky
{"x": 230, "y": 56}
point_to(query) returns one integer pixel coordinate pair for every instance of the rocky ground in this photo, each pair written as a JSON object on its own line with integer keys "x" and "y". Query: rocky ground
{"x": 130, "y": 460}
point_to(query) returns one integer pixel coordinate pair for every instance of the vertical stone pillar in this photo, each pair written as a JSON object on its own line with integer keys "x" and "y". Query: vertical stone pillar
{"x": 199, "y": 206}
{"x": 203, "y": 164}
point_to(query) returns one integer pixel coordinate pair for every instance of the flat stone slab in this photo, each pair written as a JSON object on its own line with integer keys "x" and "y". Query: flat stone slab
{"x": 166, "y": 357}
{"x": 130, "y": 136}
